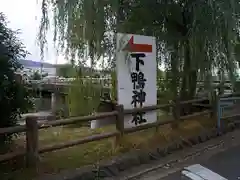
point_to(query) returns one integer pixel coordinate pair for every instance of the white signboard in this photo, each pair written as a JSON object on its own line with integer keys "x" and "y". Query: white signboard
{"x": 136, "y": 76}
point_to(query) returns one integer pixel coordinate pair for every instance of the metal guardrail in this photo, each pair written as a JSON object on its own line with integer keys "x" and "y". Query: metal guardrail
{"x": 223, "y": 104}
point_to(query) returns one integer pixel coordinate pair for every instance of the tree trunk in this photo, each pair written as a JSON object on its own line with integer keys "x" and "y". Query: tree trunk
{"x": 186, "y": 73}
{"x": 175, "y": 72}
{"x": 189, "y": 81}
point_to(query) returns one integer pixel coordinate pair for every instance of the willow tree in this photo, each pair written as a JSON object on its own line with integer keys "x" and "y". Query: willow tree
{"x": 80, "y": 32}
{"x": 80, "y": 27}
{"x": 194, "y": 38}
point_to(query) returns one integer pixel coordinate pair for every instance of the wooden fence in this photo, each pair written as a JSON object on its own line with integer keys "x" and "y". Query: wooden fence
{"x": 31, "y": 128}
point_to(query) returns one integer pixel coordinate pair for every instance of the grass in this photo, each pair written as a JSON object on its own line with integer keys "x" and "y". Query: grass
{"x": 92, "y": 153}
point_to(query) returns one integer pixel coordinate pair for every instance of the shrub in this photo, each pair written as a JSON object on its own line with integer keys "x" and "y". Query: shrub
{"x": 14, "y": 98}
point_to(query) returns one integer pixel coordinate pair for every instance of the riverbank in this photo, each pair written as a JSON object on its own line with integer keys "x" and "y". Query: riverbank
{"x": 93, "y": 153}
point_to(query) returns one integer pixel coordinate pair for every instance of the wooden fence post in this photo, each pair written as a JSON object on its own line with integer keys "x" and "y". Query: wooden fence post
{"x": 32, "y": 156}
{"x": 119, "y": 124}
{"x": 176, "y": 113}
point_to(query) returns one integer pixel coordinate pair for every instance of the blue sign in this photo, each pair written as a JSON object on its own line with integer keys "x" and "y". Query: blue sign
{"x": 223, "y": 104}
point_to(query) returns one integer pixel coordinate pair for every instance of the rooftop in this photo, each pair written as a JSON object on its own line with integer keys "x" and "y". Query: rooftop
{"x": 30, "y": 63}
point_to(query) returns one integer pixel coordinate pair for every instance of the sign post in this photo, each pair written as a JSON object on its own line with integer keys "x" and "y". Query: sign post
{"x": 136, "y": 76}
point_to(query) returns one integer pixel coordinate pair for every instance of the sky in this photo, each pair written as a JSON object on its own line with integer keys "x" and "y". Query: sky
{"x": 25, "y": 15}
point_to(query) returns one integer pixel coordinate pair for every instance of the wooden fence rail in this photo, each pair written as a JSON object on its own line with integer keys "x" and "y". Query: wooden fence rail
{"x": 32, "y": 128}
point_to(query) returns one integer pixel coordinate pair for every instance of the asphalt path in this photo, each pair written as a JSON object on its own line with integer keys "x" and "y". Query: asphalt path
{"x": 220, "y": 155}
{"x": 226, "y": 164}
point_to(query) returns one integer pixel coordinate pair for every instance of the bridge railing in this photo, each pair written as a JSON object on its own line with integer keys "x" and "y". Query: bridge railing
{"x": 103, "y": 82}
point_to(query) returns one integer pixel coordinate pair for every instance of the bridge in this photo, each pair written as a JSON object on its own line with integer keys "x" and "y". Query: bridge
{"x": 59, "y": 86}
{"x": 62, "y": 86}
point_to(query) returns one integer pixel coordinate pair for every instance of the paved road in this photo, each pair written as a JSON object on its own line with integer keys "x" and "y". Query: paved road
{"x": 226, "y": 164}
{"x": 220, "y": 155}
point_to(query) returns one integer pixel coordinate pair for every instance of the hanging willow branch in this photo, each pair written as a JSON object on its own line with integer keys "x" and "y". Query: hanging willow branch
{"x": 81, "y": 27}
{"x": 207, "y": 29}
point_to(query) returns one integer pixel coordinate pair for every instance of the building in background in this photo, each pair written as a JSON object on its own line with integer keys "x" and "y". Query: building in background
{"x": 30, "y": 67}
